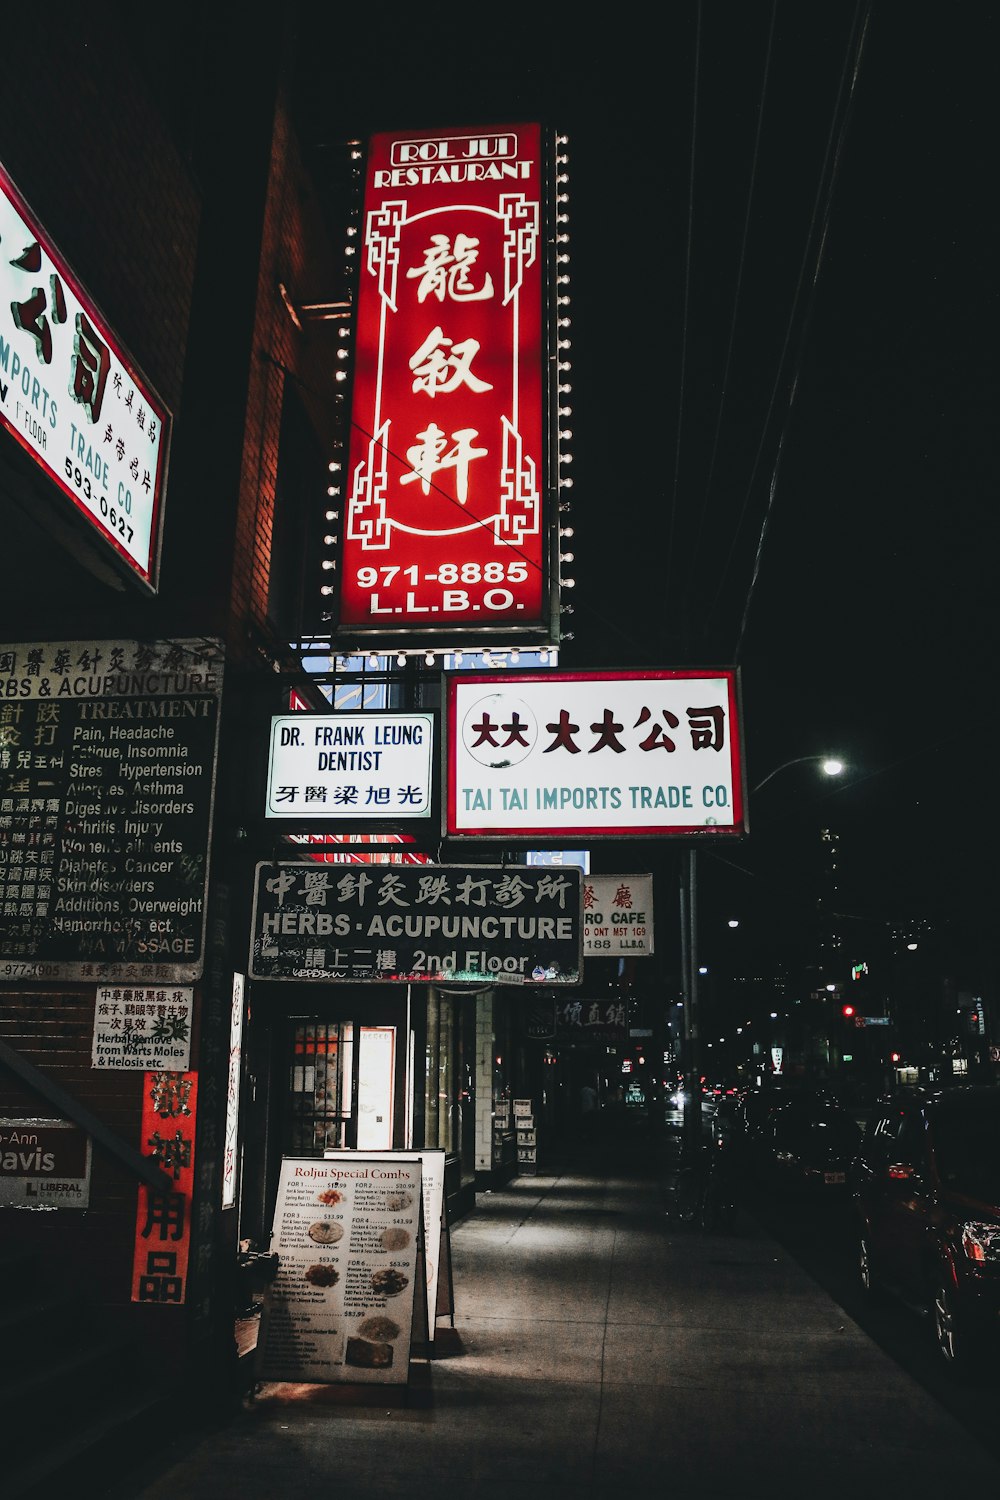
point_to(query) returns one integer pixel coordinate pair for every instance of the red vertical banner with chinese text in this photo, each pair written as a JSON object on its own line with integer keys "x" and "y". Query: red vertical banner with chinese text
{"x": 163, "y": 1220}
{"x": 444, "y": 519}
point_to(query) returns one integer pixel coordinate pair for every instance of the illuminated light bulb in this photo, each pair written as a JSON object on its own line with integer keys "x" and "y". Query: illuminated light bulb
{"x": 564, "y": 323}
{"x": 340, "y": 375}
{"x": 343, "y": 333}
{"x": 543, "y": 656}
{"x": 352, "y": 230}
{"x": 348, "y": 249}
{"x": 563, "y": 219}
{"x": 429, "y": 659}
{"x": 329, "y": 541}
{"x": 343, "y": 353}
{"x": 563, "y": 364}
{"x": 327, "y": 589}
{"x": 458, "y": 657}
{"x": 564, "y": 301}
{"x": 515, "y": 655}
{"x": 328, "y": 564}
{"x": 562, "y": 177}
{"x": 563, "y": 239}
{"x": 566, "y": 557}
{"x": 569, "y": 583}
{"x": 563, "y": 260}
{"x": 565, "y": 531}
{"x": 401, "y": 659}
{"x": 565, "y": 458}
{"x": 373, "y": 660}
{"x": 565, "y": 411}
{"x": 565, "y": 436}
{"x": 333, "y": 466}
{"x": 333, "y": 515}
{"x": 566, "y": 484}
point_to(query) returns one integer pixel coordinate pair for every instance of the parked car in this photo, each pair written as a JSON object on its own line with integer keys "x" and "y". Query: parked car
{"x": 926, "y": 1187}
{"x": 808, "y": 1143}
{"x": 756, "y": 1106}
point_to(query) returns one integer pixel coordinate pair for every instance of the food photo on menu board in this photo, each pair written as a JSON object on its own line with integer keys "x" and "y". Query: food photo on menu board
{"x": 341, "y": 1306}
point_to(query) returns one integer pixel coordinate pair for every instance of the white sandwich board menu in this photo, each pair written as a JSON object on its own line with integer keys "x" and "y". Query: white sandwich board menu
{"x": 437, "y": 1240}
{"x": 348, "y": 1237}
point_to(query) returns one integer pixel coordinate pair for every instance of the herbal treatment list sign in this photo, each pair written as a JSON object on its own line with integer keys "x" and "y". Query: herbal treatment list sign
{"x": 107, "y": 775}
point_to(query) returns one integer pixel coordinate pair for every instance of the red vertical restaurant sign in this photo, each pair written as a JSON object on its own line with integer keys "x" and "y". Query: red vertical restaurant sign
{"x": 443, "y": 522}
{"x": 163, "y": 1220}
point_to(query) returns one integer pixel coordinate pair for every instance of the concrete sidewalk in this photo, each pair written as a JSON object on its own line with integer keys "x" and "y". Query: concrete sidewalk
{"x": 599, "y": 1352}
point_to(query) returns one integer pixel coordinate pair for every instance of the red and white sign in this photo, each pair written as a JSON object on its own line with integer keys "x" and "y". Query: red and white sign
{"x": 592, "y": 754}
{"x": 73, "y": 398}
{"x": 446, "y": 470}
{"x": 163, "y": 1220}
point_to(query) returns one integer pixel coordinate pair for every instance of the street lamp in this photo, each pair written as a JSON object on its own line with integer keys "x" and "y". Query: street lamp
{"x": 829, "y": 764}
{"x": 690, "y": 968}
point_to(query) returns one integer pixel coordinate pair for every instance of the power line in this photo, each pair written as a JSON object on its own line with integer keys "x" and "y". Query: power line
{"x": 822, "y": 205}
{"x": 738, "y": 289}
{"x": 685, "y": 317}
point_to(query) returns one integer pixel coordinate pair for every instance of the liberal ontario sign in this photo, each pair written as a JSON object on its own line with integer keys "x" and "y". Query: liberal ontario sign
{"x": 446, "y": 517}
{"x": 594, "y": 754}
{"x": 478, "y": 925}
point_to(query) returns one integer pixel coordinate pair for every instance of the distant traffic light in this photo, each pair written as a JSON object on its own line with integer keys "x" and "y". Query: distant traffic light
{"x": 847, "y": 1011}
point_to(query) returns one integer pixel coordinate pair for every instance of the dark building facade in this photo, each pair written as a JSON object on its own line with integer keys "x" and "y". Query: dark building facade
{"x": 161, "y": 164}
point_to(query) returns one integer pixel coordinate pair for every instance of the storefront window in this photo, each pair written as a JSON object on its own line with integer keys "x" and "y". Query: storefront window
{"x": 318, "y": 1097}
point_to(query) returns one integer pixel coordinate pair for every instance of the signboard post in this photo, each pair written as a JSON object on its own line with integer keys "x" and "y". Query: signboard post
{"x": 477, "y": 925}
{"x": 44, "y": 1164}
{"x": 445, "y": 519}
{"x": 437, "y": 1237}
{"x": 365, "y": 766}
{"x": 73, "y": 399}
{"x": 341, "y": 1308}
{"x": 109, "y": 747}
{"x": 594, "y": 755}
{"x": 618, "y": 916}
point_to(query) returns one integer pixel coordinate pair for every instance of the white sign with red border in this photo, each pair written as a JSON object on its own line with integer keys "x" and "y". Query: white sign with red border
{"x": 72, "y": 397}
{"x": 592, "y": 754}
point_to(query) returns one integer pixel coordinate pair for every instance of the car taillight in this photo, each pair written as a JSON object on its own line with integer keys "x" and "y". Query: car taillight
{"x": 981, "y": 1242}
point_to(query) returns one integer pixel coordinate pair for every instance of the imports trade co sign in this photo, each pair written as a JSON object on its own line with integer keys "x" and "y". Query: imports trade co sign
{"x": 72, "y": 397}
{"x": 473, "y": 925}
{"x": 446, "y": 472}
{"x": 594, "y": 754}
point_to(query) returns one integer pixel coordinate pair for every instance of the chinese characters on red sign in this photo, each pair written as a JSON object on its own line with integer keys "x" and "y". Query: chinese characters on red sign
{"x": 444, "y": 515}
{"x": 163, "y": 1220}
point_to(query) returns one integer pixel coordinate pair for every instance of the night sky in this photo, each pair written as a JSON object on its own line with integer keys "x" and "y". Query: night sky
{"x": 730, "y": 377}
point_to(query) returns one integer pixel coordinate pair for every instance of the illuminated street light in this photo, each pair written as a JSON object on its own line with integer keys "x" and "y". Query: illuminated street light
{"x": 829, "y": 765}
